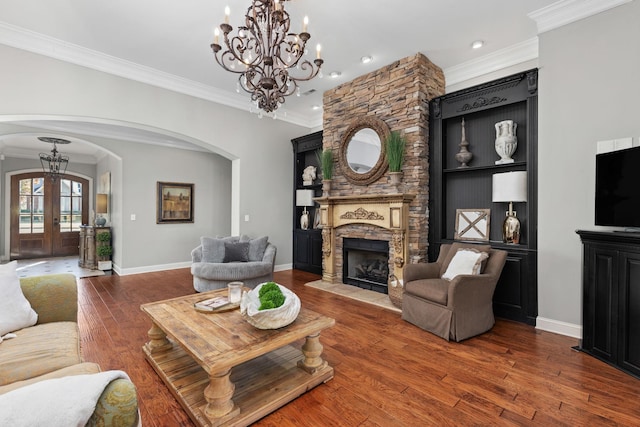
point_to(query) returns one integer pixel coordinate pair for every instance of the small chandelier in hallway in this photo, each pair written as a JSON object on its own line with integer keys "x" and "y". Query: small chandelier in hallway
{"x": 54, "y": 164}
{"x": 268, "y": 57}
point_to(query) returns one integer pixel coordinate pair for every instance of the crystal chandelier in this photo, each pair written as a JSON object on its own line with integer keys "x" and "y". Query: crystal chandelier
{"x": 268, "y": 57}
{"x": 54, "y": 164}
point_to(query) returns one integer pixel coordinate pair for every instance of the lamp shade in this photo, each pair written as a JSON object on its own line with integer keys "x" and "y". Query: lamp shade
{"x": 510, "y": 187}
{"x": 101, "y": 203}
{"x": 304, "y": 197}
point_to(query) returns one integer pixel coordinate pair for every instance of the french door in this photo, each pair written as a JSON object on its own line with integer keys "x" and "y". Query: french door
{"x": 46, "y": 215}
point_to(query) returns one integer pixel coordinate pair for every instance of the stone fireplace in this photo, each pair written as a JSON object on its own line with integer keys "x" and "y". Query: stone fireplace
{"x": 381, "y": 217}
{"x": 397, "y": 94}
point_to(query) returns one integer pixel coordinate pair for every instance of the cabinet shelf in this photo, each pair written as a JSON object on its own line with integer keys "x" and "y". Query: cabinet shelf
{"x": 452, "y": 188}
{"x": 496, "y": 244}
{"x": 310, "y": 187}
{"x": 307, "y": 244}
{"x": 514, "y": 165}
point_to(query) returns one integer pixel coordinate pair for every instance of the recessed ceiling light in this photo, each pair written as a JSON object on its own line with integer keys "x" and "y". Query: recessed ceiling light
{"x": 477, "y": 44}
{"x": 366, "y": 59}
{"x": 335, "y": 74}
{"x": 315, "y": 107}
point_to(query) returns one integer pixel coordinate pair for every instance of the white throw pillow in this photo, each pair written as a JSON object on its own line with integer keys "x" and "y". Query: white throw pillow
{"x": 15, "y": 310}
{"x": 465, "y": 261}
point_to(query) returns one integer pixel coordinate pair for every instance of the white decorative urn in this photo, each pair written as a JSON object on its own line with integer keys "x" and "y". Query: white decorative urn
{"x": 506, "y": 141}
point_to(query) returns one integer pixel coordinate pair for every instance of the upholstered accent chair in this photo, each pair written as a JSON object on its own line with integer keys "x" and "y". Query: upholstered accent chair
{"x": 218, "y": 261}
{"x": 449, "y": 299}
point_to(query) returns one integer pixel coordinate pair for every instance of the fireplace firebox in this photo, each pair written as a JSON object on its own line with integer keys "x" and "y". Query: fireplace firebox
{"x": 365, "y": 263}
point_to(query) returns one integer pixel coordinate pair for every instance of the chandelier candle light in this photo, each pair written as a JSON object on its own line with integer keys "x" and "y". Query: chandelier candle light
{"x": 268, "y": 56}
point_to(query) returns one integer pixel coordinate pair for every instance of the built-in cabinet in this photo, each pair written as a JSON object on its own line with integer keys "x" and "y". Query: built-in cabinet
{"x": 611, "y": 298}
{"x": 93, "y": 238}
{"x": 307, "y": 244}
{"x": 453, "y": 187}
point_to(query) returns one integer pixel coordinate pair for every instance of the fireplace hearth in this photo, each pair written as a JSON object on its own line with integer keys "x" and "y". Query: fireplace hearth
{"x": 366, "y": 263}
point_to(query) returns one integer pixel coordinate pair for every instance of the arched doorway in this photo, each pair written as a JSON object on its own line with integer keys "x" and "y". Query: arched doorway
{"x": 46, "y": 215}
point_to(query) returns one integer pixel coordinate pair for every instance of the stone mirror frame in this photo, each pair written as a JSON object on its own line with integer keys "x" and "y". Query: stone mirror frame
{"x": 363, "y": 128}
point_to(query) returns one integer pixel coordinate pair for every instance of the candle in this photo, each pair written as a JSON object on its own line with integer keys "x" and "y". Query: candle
{"x": 318, "y": 48}
{"x": 277, "y": 5}
{"x": 305, "y": 22}
{"x": 227, "y": 12}
{"x": 216, "y": 35}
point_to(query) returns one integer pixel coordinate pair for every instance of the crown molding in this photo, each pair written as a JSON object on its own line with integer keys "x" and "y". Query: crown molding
{"x": 503, "y": 58}
{"x": 32, "y": 41}
{"x": 567, "y": 11}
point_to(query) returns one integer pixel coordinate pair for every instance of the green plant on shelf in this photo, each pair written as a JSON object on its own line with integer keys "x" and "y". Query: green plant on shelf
{"x": 395, "y": 151}
{"x": 103, "y": 237}
{"x": 325, "y": 158}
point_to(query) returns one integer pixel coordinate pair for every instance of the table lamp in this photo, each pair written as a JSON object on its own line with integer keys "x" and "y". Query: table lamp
{"x": 510, "y": 187}
{"x": 101, "y": 208}
{"x": 304, "y": 198}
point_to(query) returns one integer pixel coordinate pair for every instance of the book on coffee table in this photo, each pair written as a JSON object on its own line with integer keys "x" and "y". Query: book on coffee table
{"x": 212, "y": 304}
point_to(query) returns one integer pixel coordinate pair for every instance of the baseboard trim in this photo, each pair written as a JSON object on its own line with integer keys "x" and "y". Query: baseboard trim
{"x": 150, "y": 268}
{"x": 558, "y": 327}
{"x": 173, "y": 266}
{"x": 283, "y": 267}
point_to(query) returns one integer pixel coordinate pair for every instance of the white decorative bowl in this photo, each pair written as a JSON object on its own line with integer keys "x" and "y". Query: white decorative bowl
{"x": 272, "y": 318}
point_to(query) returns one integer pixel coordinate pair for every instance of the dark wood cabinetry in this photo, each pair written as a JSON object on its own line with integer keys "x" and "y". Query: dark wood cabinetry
{"x": 307, "y": 244}
{"x": 453, "y": 187}
{"x": 611, "y": 298}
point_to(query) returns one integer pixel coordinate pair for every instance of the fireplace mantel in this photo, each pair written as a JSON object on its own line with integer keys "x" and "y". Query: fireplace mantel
{"x": 388, "y": 211}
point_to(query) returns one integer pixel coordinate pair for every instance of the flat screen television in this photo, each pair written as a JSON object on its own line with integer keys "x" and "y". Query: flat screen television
{"x": 618, "y": 188}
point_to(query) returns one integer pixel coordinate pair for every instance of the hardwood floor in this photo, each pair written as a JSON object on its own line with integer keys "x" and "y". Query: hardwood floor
{"x": 387, "y": 371}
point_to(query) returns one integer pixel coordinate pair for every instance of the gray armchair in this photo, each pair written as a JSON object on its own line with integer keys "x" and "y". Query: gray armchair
{"x": 452, "y": 309}
{"x": 208, "y": 276}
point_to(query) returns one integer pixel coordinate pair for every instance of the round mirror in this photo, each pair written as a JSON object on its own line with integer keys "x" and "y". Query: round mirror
{"x": 362, "y": 151}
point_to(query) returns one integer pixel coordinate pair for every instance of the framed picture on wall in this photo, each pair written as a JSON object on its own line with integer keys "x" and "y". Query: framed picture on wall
{"x": 472, "y": 224}
{"x": 174, "y": 202}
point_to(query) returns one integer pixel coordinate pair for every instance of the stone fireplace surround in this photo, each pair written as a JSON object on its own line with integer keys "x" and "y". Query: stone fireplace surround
{"x": 399, "y": 95}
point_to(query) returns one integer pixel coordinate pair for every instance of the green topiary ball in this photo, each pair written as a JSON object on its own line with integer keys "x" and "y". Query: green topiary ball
{"x": 271, "y": 297}
{"x": 269, "y": 286}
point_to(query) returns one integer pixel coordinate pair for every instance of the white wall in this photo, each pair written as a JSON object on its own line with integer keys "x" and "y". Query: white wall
{"x": 260, "y": 149}
{"x": 137, "y": 243}
{"x": 589, "y": 91}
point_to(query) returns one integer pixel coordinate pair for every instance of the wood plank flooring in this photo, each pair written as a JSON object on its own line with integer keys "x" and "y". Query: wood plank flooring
{"x": 387, "y": 371}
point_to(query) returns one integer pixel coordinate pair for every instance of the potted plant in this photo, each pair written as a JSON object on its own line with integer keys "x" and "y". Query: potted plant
{"x": 104, "y": 250}
{"x": 326, "y": 164}
{"x": 395, "y": 145}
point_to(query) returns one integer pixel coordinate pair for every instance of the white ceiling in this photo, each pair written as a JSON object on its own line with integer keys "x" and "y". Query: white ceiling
{"x": 168, "y": 40}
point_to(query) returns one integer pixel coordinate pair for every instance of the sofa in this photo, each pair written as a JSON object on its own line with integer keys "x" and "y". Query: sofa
{"x": 218, "y": 261}
{"x": 50, "y": 350}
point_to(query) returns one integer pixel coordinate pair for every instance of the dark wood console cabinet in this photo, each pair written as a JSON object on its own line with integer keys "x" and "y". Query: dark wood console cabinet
{"x": 611, "y": 298}
{"x": 452, "y": 187}
{"x": 307, "y": 244}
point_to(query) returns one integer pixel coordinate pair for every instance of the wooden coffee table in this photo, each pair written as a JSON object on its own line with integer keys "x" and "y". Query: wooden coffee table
{"x": 223, "y": 370}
